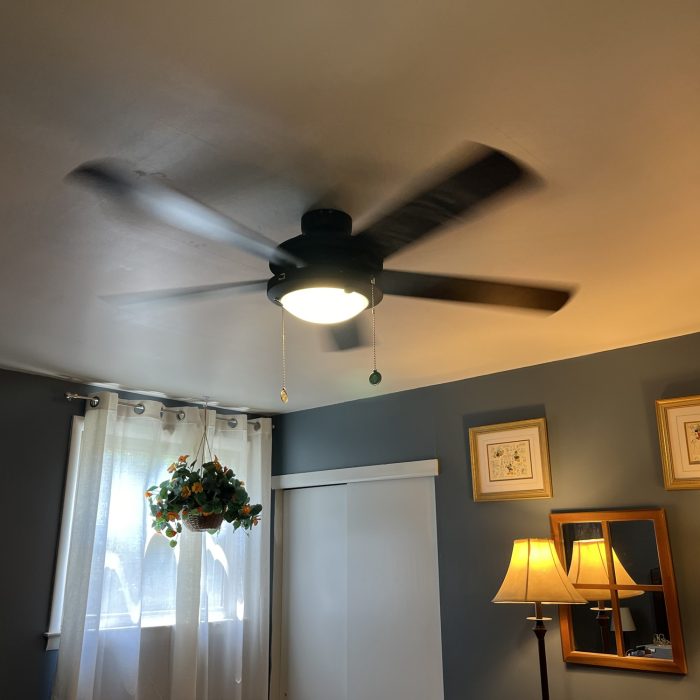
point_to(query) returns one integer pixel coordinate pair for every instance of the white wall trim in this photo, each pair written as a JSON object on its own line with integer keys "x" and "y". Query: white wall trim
{"x": 53, "y": 636}
{"x": 329, "y": 477}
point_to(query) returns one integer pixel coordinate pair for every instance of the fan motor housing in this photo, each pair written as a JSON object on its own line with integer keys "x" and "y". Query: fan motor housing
{"x": 333, "y": 257}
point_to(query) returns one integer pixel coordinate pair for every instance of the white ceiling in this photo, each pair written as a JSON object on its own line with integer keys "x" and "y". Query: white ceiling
{"x": 265, "y": 109}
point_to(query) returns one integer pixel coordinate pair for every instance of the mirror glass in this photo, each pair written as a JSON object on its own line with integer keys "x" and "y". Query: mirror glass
{"x": 620, "y": 562}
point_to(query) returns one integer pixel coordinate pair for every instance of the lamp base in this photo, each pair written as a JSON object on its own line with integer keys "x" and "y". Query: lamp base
{"x": 540, "y": 630}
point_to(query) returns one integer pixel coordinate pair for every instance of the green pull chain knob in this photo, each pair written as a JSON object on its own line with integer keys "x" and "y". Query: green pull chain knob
{"x": 375, "y": 378}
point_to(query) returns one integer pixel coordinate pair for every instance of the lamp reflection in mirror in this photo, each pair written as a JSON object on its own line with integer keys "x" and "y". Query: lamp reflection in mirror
{"x": 589, "y": 566}
{"x": 627, "y": 625}
{"x": 536, "y": 576}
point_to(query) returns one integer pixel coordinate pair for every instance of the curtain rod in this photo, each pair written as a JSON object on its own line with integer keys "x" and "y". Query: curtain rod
{"x": 139, "y": 408}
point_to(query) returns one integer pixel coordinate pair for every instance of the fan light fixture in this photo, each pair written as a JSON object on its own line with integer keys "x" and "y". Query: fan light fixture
{"x": 324, "y": 304}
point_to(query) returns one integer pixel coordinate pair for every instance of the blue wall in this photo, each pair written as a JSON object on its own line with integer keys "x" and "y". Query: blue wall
{"x": 604, "y": 453}
{"x": 36, "y": 423}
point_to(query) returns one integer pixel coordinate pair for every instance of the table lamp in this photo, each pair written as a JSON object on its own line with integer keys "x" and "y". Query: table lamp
{"x": 589, "y": 565}
{"x": 536, "y": 576}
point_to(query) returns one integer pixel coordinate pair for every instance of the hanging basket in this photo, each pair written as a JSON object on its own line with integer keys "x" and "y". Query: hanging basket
{"x": 201, "y": 523}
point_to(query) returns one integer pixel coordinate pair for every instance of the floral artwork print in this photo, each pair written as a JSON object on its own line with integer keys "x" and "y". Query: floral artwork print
{"x": 509, "y": 460}
{"x": 692, "y": 440}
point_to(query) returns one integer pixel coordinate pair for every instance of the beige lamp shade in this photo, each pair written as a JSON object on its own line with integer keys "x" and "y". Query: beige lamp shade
{"x": 536, "y": 576}
{"x": 627, "y": 621}
{"x": 589, "y": 565}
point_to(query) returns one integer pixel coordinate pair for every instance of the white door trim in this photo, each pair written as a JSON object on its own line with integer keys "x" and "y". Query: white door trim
{"x": 329, "y": 477}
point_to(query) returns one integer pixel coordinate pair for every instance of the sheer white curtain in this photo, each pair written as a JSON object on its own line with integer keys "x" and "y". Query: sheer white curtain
{"x": 143, "y": 620}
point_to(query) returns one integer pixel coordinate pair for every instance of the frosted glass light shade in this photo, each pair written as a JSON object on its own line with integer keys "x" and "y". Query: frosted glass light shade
{"x": 589, "y": 565}
{"x": 536, "y": 576}
{"x": 324, "y": 304}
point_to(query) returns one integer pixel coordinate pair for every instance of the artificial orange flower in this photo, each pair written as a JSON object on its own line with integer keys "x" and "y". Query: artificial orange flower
{"x": 182, "y": 458}
{"x": 245, "y": 510}
{"x": 197, "y": 487}
{"x": 172, "y": 467}
{"x": 148, "y": 494}
{"x": 255, "y": 520}
{"x": 185, "y": 512}
{"x": 185, "y": 491}
{"x": 173, "y": 516}
{"x": 159, "y": 513}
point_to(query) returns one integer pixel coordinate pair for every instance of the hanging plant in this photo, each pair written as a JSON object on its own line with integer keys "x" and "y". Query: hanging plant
{"x": 201, "y": 497}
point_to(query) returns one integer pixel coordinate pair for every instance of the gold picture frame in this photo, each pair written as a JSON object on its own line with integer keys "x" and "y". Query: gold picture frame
{"x": 510, "y": 461}
{"x": 678, "y": 421}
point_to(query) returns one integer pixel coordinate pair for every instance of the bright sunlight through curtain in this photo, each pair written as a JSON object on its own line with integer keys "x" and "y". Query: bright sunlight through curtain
{"x": 142, "y": 620}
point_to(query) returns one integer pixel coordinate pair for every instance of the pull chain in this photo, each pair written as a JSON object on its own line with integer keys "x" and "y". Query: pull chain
{"x": 283, "y": 393}
{"x": 375, "y": 377}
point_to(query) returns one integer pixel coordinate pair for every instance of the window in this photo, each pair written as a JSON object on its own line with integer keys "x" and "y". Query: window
{"x": 136, "y": 613}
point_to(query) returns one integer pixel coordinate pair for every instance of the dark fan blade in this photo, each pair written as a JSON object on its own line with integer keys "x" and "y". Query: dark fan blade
{"x": 347, "y": 335}
{"x": 176, "y": 209}
{"x": 491, "y": 173}
{"x": 159, "y": 295}
{"x": 475, "y": 291}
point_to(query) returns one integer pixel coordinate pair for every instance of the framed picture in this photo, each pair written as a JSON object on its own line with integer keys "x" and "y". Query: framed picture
{"x": 510, "y": 460}
{"x": 679, "y": 438}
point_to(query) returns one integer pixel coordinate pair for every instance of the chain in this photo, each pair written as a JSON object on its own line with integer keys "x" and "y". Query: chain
{"x": 374, "y": 330}
{"x": 375, "y": 377}
{"x": 283, "y": 393}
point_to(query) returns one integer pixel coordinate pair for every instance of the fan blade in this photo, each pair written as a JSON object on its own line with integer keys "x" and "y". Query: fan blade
{"x": 475, "y": 291}
{"x": 450, "y": 199}
{"x": 172, "y": 207}
{"x": 347, "y": 335}
{"x": 178, "y": 294}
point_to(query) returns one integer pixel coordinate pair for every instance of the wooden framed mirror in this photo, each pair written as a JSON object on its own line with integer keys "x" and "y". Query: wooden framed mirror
{"x": 620, "y": 560}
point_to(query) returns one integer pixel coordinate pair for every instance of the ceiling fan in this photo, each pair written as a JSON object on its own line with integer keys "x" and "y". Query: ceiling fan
{"x": 328, "y": 275}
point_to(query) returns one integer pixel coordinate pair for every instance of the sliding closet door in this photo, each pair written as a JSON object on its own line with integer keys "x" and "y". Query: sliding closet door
{"x": 314, "y": 598}
{"x": 394, "y": 639}
{"x": 361, "y": 613}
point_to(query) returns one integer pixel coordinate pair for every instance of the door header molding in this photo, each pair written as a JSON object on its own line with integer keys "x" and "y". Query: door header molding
{"x": 374, "y": 472}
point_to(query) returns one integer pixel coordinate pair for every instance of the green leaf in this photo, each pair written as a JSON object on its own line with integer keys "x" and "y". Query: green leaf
{"x": 152, "y": 488}
{"x": 173, "y": 543}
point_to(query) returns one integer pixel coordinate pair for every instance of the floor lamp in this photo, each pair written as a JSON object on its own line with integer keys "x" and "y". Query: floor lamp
{"x": 535, "y": 575}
